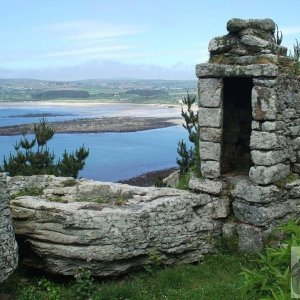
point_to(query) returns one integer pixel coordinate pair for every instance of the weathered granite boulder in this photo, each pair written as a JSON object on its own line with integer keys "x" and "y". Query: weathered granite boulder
{"x": 265, "y": 175}
{"x": 236, "y": 25}
{"x": 8, "y": 245}
{"x": 268, "y": 158}
{"x": 112, "y": 228}
{"x": 263, "y": 215}
{"x": 243, "y": 188}
{"x": 248, "y": 42}
{"x": 222, "y": 43}
{"x": 250, "y": 238}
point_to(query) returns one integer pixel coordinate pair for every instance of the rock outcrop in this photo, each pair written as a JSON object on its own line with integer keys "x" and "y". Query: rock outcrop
{"x": 110, "y": 228}
{"x": 8, "y": 245}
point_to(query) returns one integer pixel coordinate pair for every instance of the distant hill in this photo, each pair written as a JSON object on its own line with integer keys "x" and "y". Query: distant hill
{"x": 146, "y": 92}
{"x": 61, "y": 94}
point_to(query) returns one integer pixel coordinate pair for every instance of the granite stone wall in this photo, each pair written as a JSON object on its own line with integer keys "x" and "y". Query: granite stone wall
{"x": 8, "y": 245}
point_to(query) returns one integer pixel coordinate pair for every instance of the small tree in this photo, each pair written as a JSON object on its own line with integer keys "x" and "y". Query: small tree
{"x": 189, "y": 158}
{"x": 33, "y": 157}
{"x": 72, "y": 163}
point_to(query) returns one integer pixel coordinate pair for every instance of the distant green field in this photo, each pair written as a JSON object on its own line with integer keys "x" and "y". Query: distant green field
{"x": 134, "y": 91}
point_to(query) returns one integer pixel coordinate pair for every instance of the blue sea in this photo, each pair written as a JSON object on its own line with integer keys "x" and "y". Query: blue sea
{"x": 113, "y": 156}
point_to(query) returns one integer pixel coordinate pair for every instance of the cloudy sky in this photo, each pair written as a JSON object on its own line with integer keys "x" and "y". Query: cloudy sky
{"x": 162, "y": 39}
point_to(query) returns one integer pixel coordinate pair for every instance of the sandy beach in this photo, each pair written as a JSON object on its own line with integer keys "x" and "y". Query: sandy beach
{"x": 96, "y": 125}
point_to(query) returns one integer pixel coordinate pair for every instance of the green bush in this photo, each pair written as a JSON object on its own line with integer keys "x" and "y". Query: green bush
{"x": 271, "y": 279}
{"x": 33, "y": 157}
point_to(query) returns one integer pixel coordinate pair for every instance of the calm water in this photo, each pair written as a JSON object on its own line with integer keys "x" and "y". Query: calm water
{"x": 113, "y": 156}
{"x": 13, "y": 115}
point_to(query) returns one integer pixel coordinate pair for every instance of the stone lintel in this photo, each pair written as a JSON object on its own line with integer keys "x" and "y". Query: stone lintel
{"x": 207, "y": 70}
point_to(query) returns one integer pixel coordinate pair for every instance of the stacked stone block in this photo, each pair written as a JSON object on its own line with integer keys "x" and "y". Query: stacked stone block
{"x": 210, "y": 122}
{"x": 258, "y": 200}
{"x": 8, "y": 245}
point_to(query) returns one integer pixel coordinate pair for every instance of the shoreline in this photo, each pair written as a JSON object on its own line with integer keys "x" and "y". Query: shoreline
{"x": 97, "y": 125}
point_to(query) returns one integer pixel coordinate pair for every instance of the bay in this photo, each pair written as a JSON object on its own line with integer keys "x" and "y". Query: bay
{"x": 113, "y": 156}
{"x": 116, "y": 156}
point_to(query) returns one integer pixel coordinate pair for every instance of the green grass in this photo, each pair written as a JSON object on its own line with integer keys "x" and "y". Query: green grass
{"x": 215, "y": 278}
{"x": 29, "y": 191}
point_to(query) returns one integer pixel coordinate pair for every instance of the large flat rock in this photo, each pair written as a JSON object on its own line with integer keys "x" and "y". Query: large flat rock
{"x": 114, "y": 230}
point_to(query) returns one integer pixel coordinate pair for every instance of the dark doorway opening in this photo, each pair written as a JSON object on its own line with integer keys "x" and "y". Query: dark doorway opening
{"x": 237, "y": 118}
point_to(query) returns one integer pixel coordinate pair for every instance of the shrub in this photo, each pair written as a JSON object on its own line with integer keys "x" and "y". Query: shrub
{"x": 33, "y": 157}
{"x": 271, "y": 279}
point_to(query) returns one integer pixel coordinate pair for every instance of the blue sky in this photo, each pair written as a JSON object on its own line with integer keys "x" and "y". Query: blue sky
{"x": 80, "y": 39}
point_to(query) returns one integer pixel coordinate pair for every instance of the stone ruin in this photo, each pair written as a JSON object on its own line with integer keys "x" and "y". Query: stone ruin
{"x": 249, "y": 117}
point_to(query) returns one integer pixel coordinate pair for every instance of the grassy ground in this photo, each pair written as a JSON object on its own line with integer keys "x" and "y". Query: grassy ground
{"x": 215, "y": 278}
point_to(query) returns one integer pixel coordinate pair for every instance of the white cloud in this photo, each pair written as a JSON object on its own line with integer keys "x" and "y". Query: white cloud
{"x": 86, "y": 40}
{"x": 89, "y": 30}
{"x": 95, "y": 51}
